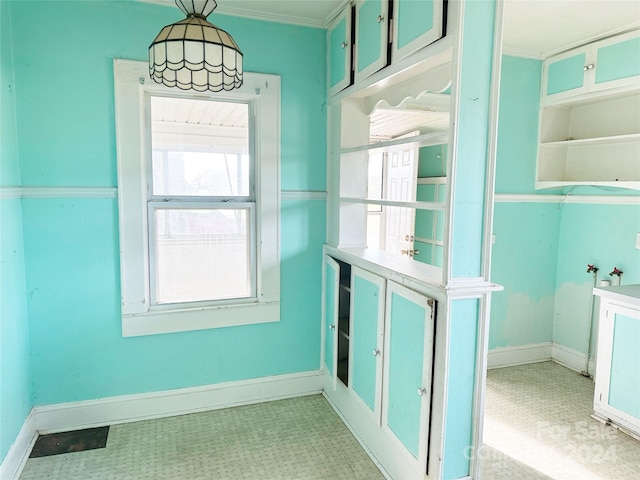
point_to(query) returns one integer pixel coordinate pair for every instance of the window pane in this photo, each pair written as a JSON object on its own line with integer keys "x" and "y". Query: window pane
{"x": 200, "y": 147}
{"x": 202, "y": 254}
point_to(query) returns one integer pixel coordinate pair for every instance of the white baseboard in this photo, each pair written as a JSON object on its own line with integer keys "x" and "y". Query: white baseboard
{"x": 131, "y": 408}
{"x": 13, "y": 463}
{"x": 539, "y": 352}
{"x": 572, "y": 359}
{"x": 519, "y": 355}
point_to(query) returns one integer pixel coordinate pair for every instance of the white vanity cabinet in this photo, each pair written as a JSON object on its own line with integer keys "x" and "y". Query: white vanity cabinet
{"x": 617, "y": 390}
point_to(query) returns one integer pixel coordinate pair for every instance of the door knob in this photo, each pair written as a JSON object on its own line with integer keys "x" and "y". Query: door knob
{"x": 332, "y": 327}
{"x": 379, "y": 19}
{"x": 422, "y": 391}
{"x": 376, "y": 352}
{"x": 409, "y": 238}
{"x": 410, "y": 253}
{"x": 344, "y": 44}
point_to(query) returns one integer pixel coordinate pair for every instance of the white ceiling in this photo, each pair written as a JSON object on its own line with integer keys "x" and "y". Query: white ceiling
{"x": 535, "y": 28}
{"x": 544, "y": 27}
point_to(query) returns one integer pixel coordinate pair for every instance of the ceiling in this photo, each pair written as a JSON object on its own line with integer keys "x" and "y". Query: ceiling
{"x": 536, "y": 28}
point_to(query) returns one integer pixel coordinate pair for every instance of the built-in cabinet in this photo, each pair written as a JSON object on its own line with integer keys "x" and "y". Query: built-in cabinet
{"x": 617, "y": 379}
{"x": 613, "y": 62}
{"x": 389, "y": 362}
{"x": 590, "y": 116}
{"x": 382, "y": 34}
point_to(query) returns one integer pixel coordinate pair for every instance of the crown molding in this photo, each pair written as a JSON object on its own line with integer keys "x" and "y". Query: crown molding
{"x": 234, "y": 11}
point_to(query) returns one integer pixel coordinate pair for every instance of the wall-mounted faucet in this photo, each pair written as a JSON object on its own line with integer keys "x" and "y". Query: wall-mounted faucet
{"x": 592, "y": 268}
{"x": 616, "y": 272}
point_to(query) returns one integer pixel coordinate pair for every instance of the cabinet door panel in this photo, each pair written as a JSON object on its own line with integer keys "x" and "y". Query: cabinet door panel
{"x": 408, "y": 363}
{"x": 566, "y": 74}
{"x": 617, "y": 61}
{"x": 367, "y": 294}
{"x": 624, "y": 386}
{"x": 416, "y": 24}
{"x": 339, "y": 52}
{"x": 331, "y": 285}
{"x": 371, "y": 37}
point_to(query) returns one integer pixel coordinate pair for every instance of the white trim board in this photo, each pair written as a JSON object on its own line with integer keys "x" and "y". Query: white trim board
{"x": 587, "y": 199}
{"x": 303, "y": 195}
{"x": 131, "y": 408}
{"x": 58, "y": 192}
{"x": 519, "y": 355}
{"x": 539, "y": 352}
{"x": 572, "y": 359}
{"x": 12, "y": 465}
{"x": 167, "y": 403}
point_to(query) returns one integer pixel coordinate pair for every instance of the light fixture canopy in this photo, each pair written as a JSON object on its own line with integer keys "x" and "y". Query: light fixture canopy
{"x": 193, "y": 54}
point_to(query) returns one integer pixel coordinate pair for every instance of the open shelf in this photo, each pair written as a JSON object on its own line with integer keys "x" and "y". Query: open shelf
{"x": 595, "y": 141}
{"x": 611, "y": 139}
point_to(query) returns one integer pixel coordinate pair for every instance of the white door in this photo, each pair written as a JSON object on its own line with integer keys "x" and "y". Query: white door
{"x": 401, "y": 178}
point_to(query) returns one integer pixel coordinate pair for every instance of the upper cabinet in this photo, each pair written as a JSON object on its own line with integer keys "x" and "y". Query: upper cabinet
{"x": 372, "y": 37}
{"x": 368, "y": 35}
{"x": 610, "y": 63}
{"x": 415, "y": 25}
{"x": 590, "y": 116}
{"x": 339, "y": 47}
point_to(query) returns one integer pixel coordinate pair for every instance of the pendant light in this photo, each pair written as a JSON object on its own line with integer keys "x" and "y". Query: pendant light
{"x": 193, "y": 54}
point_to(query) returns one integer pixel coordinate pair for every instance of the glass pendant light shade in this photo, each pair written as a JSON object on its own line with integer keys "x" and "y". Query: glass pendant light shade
{"x": 193, "y": 54}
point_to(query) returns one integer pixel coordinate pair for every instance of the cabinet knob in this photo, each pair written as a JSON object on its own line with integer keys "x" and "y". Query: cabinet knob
{"x": 591, "y": 66}
{"x": 332, "y": 327}
{"x": 422, "y": 391}
{"x": 344, "y": 44}
{"x": 376, "y": 352}
{"x": 379, "y": 19}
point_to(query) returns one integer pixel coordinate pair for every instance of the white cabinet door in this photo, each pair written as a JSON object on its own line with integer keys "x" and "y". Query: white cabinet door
{"x": 416, "y": 24}
{"x": 617, "y": 389}
{"x": 367, "y": 333}
{"x": 339, "y": 48}
{"x": 330, "y": 307}
{"x": 408, "y": 359}
{"x": 372, "y": 37}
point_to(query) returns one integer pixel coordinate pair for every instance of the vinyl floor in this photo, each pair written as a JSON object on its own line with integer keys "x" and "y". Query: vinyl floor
{"x": 299, "y": 438}
{"x": 538, "y": 426}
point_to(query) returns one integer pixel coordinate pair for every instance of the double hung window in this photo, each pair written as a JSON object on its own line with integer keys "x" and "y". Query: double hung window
{"x": 199, "y": 203}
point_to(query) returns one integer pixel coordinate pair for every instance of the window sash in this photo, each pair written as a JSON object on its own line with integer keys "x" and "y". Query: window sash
{"x": 148, "y": 148}
{"x": 153, "y": 266}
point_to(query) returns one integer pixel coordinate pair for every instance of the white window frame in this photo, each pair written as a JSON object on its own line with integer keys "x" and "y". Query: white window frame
{"x": 132, "y": 85}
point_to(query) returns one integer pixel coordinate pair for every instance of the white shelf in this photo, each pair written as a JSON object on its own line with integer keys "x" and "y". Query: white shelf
{"x": 611, "y": 139}
{"x": 394, "y": 203}
{"x": 632, "y": 185}
{"x": 595, "y": 141}
{"x": 431, "y": 138}
{"x": 432, "y": 180}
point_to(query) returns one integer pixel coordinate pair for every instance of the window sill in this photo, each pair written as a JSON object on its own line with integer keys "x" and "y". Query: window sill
{"x": 171, "y": 321}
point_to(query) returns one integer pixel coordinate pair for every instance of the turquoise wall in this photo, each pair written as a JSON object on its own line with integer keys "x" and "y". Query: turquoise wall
{"x": 542, "y": 249}
{"x": 524, "y": 262}
{"x": 15, "y": 379}
{"x": 602, "y": 235}
{"x": 67, "y": 137}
